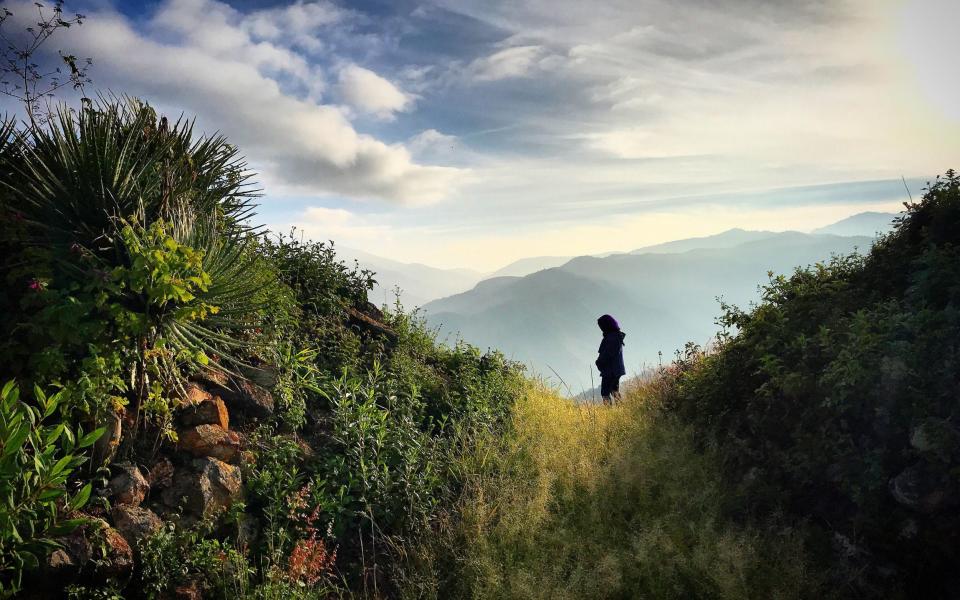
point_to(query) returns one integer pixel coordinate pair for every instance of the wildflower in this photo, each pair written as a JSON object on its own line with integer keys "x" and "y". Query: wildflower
{"x": 310, "y": 561}
{"x": 35, "y": 285}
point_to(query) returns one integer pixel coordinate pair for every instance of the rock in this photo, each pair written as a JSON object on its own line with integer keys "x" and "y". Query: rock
{"x": 207, "y": 486}
{"x": 208, "y": 411}
{"x": 921, "y": 488}
{"x": 210, "y": 440}
{"x": 194, "y": 394}
{"x": 241, "y": 396}
{"x": 129, "y": 486}
{"x": 161, "y": 474}
{"x": 253, "y": 401}
{"x": 135, "y": 523}
{"x": 118, "y": 561}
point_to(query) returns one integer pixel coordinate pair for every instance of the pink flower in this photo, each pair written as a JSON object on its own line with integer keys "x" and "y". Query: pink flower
{"x": 35, "y": 285}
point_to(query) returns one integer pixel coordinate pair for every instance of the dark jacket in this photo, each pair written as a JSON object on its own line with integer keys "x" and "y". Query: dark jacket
{"x": 610, "y": 361}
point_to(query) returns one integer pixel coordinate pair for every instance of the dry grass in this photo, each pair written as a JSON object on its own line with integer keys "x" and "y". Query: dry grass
{"x": 601, "y": 502}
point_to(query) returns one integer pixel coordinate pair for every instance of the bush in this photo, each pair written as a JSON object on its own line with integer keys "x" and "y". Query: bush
{"x": 835, "y": 399}
{"x": 37, "y": 462}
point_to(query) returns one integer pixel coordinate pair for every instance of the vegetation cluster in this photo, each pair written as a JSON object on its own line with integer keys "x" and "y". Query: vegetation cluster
{"x": 132, "y": 271}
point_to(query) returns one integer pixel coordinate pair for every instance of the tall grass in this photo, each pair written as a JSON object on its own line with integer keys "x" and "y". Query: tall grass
{"x": 596, "y": 502}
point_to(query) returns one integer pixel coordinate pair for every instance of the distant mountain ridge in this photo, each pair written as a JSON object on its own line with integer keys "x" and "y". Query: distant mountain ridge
{"x": 865, "y": 223}
{"x": 663, "y": 295}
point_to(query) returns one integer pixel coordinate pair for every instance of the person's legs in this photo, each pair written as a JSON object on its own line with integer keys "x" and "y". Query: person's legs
{"x": 608, "y": 385}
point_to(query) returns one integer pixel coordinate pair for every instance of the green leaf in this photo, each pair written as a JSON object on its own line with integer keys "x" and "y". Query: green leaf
{"x": 91, "y": 437}
{"x": 81, "y": 498}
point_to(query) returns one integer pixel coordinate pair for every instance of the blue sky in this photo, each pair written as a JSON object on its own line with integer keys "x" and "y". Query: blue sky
{"x": 461, "y": 133}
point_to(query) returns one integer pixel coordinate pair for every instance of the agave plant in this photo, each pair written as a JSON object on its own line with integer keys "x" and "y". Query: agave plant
{"x": 121, "y": 187}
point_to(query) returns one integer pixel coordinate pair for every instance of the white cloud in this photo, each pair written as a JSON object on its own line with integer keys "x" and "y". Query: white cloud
{"x": 340, "y": 225}
{"x": 298, "y": 23}
{"x": 217, "y": 72}
{"x": 516, "y": 61}
{"x": 368, "y": 92}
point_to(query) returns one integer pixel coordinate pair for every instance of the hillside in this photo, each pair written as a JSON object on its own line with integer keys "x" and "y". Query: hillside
{"x": 662, "y": 299}
{"x": 865, "y": 223}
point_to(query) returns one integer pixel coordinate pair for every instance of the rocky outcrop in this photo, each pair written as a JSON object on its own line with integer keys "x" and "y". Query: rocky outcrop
{"x": 241, "y": 397}
{"x": 135, "y": 523}
{"x": 128, "y": 486}
{"x": 207, "y": 411}
{"x": 204, "y": 487}
{"x": 210, "y": 440}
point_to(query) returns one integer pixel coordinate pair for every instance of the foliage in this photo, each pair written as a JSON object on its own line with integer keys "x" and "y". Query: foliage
{"x": 589, "y": 501}
{"x": 836, "y": 399}
{"x": 37, "y": 460}
{"x": 21, "y": 77}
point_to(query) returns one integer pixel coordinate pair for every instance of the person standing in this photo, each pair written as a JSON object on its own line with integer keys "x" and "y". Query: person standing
{"x": 610, "y": 359}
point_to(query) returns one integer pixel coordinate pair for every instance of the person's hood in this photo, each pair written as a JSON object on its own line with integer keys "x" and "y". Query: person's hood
{"x": 608, "y": 324}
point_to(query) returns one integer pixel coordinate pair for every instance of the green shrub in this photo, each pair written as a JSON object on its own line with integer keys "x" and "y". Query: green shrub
{"x": 37, "y": 460}
{"x": 835, "y": 399}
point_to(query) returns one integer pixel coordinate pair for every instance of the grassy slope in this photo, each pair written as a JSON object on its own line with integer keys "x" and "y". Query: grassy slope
{"x": 588, "y": 501}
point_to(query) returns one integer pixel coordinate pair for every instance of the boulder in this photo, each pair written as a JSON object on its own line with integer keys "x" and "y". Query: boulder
{"x": 252, "y": 400}
{"x": 204, "y": 487}
{"x": 207, "y": 411}
{"x": 210, "y": 440}
{"x": 135, "y": 523}
{"x": 240, "y": 396}
{"x": 118, "y": 559}
{"x": 128, "y": 486}
{"x": 193, "y": 393}
{"x": 161, "y": 474}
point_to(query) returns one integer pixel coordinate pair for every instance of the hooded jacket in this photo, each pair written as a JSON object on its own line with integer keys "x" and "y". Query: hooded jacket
{"x": 610, "y": 359}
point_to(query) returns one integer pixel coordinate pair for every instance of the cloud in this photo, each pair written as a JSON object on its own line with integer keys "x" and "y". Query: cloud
{"x": 517, "y": 61}
{"x": 198, "y": 56}
{"x": 368, "y": 92}
{"x": 340, "y": 225}
{"x": 297, "y": 24}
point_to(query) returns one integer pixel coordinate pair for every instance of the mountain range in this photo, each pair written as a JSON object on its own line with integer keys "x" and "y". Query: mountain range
{"x": 663, "y": 295}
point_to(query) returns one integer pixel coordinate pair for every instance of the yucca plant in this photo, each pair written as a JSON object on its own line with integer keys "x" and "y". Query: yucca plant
{"x": 128, "y": 204}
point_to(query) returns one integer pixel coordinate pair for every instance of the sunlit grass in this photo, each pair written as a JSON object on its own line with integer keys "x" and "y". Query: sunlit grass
{"x": 587, "y": 501}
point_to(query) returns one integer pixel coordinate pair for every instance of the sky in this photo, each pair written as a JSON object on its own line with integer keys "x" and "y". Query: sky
{"x": 470, "y": 134}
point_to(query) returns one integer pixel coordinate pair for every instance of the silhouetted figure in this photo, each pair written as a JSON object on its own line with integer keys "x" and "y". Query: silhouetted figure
{"x": 610, "y": 361}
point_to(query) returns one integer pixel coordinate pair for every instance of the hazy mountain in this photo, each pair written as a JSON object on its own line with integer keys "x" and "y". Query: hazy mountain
{"x": 865, "y": 223}
{"x": 727, "y": 239}
{"x": 662, "y": 299}
{"x": 418, "y": 283}
{"x": 525, "y": 266}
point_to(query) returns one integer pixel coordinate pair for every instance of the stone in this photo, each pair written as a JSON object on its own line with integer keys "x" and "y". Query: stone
{"x": 129, "y": 486}
{"x": 210, "y": 440}
{"x": 254, "y": 401}
{"x": 161, "y": 474}
{"x": 118, "y": 561}
{"x": 194, "y": 394}
{"x": 135, "y": 523}
{"x": 240, "y": 396}
{"x": 204, "y": 487}
{"x": 208, "y": 411}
